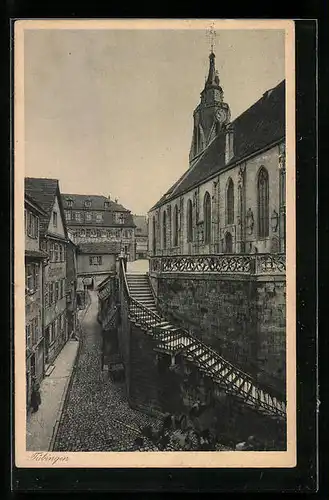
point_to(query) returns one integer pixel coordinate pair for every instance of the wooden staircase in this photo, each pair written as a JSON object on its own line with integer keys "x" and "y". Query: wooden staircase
{"x": 174, "y": 340}
{"x": 141, "y": 291}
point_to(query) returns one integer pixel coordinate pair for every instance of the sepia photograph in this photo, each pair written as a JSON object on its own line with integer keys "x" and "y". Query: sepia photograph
{"x": 154, "y": 231}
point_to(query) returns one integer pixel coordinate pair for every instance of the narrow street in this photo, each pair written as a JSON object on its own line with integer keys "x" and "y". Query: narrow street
{"x": 96, "y": 416}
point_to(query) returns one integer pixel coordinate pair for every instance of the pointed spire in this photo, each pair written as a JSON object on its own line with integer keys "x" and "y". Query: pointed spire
{"x": 213, "y": 79}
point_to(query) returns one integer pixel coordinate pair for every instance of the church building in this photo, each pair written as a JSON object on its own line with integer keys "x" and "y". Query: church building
{"x": 231, "y": 199}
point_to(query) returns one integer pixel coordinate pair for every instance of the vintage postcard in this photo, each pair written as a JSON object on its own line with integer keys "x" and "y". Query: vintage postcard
{"x": 154, "y": 243}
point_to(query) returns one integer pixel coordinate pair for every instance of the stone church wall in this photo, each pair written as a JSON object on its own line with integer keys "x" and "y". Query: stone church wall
{"x": 243, "y": 319}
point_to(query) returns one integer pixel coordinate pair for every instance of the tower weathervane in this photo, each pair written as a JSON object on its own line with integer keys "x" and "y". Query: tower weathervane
{"x": 212, "y": 36}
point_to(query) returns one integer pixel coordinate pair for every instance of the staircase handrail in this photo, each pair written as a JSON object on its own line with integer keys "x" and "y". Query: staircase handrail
{"x": 180, "y": 347}
{"x": 278, "y": 395}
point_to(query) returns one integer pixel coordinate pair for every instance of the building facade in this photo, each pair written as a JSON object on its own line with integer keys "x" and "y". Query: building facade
{"x": 232, "y": 197}
{"x": 97, "y": 219}
{"x": 54, "y": 241}
{"x": 34, "y": 262}
{"x": 141, "y": 235}
{"x": 96, "y": 260}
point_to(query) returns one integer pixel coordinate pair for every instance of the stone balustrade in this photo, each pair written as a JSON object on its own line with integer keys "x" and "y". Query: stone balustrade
{"x": 259, "y": 264}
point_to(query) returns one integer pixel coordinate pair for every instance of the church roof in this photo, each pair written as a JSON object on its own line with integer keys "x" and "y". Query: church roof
{"x": 44, "y": 192}
{"x": 255, "y": 129}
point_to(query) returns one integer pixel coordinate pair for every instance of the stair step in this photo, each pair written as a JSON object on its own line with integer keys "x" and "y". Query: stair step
{"x": 138, "y": 284}
{"x": 144, "y": 296}
{"x": 168, "y": 327}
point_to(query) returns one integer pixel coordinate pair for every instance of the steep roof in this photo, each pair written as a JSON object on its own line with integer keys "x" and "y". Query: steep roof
{"x": 33, "y": 205}
{"x": 256, "y": 128}
{"x": 97, "y": 202}
{"x": 104, "y": 248}
{"x": 44, "y": 192}
{"x": 141, "y": 225}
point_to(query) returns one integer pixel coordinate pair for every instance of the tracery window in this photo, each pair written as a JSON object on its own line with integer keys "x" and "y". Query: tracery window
{"x": 164, "y": 230}
{"x": 207, "y": 217}
{"x": 175, "y": 227}
{"x": 189, "y": 215}
{"x": 263, "y": 203}
{"x": 230, "y": 202}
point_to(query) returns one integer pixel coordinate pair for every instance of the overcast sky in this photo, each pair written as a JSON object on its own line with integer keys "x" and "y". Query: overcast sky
{"x": 110, "y": 111}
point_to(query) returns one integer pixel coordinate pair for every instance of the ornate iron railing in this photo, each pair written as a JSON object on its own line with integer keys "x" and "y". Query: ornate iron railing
{"x": 176, "y": 340}
{"x": 222, "y": 263}
{"x": 144, "y": 316}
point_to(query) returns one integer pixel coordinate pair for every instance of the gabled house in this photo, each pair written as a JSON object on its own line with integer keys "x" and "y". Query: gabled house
{"x": 53, "y": 241}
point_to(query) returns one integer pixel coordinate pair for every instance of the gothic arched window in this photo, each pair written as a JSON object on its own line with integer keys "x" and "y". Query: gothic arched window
{"x": 230, "y": 202}
{"x": 207, "y": 217}
{"x": 154, "y": 236}
{"x": 189, "y": 215}
{"x": 263, "y": 203}
{"x": 175, "y": 227}
{"x": 164, "y": 230}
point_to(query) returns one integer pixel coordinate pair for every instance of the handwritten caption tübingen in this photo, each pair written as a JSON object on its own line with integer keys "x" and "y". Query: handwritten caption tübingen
{"x": 48, "y": 458}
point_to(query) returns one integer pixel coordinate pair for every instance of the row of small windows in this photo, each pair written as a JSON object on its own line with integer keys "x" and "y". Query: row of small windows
{"x": 95, "y": 260}
{"x": 54, "y": 291}
{"x": 56, "y": 328}
{"x": 32, "y": 274}
{"x": 57, "y": 252}
{"x": 32, "y": 332}
{"x": 262, "y": 212}
{"x": 119, "y": 217}
{"x": 31, "y": 224}
{"x": 88, "y": 216}
{"x": 103, "y": 233}
{"x": 87, "y": 203}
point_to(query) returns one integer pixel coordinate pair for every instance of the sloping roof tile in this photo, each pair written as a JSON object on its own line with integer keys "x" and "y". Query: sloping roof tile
{"x": 97, "y": 202}
{"x": 44, "y": 191}
{"x": 258, "y": 127}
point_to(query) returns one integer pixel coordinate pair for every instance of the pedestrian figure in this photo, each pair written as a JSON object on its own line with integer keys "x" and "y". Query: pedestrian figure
{"x": 35, "y": 395}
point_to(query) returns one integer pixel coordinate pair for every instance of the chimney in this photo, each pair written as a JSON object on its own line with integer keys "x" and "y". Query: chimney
{"x": 116, "y": 200}
{"x": 229, "y": 144}
{"x": 109, "y": 197}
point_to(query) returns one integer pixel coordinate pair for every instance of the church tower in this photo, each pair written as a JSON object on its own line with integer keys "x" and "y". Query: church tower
{"x": 211, "y": 115}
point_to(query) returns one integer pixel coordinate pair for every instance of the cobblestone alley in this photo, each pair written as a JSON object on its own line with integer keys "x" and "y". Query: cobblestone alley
{"x": 96, "y": 416}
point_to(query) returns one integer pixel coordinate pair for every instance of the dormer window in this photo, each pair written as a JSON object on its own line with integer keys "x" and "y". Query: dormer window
{"x": 119, "y": 218}
{"x": 69, "y": 203}
{"x": 87, "y": 203}
{"x": 106, "y": 204}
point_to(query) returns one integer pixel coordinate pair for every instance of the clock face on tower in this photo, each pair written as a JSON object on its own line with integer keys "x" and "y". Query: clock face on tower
{"x": 221, "y": 115}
